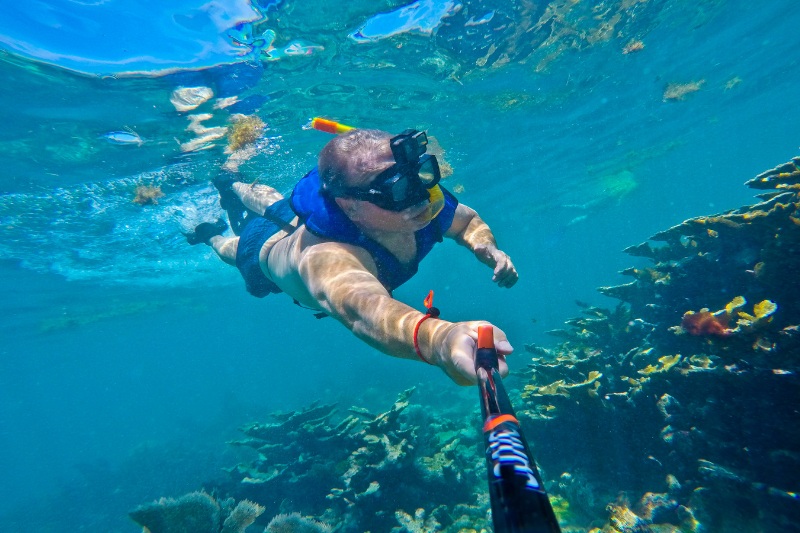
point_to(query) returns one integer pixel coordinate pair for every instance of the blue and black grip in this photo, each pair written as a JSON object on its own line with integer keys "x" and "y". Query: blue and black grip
{"x": 519, "y": 501}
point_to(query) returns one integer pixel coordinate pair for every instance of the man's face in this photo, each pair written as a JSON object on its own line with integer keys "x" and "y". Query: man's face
{"x": 370, "y": 216}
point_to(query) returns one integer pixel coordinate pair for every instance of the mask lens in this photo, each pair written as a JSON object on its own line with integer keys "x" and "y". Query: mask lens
{"x": 399, "y": 188}
{"x": 429, "y": 171}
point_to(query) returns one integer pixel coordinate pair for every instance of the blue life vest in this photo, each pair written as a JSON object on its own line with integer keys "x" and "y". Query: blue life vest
{"x": 323, "y": 217}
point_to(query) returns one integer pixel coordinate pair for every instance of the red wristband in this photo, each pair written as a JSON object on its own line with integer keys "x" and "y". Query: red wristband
{"x": 416, "y": 340}
{"x": 432, "y": 313}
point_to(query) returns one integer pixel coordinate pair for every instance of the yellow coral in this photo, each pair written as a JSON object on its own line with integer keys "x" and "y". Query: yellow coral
{"x": 735, "y": 304}
{"x": 667, "y": 362}
{"x": 556, "y": 388}
{"x": 560, "y": 508}
{"x": 765, "y": 308}
{"x": 763, "y": 312}
{"x": 560, "y": 388}
{"x": 649, "y": 369}
{"x": 623, "y": 519}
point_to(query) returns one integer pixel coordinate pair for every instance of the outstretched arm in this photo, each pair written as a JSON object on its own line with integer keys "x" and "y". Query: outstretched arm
{"x": 469, "y": 230}
{"x": 343, "y": 280}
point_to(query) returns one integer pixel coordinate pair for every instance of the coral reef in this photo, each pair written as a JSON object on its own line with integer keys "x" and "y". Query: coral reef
{"x": 196, "y": 512}
{"x": 358, "y": 468}
{"x": 705, "y": 400}
{"x": 417, "y": 523}
{"x": 147, "y": 195}
{"x": 294, "y": 523}
{"x": 655, "y": 416}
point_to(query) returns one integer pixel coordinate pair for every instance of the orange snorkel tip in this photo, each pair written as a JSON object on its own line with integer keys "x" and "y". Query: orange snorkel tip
{"x": 329, "y": 126}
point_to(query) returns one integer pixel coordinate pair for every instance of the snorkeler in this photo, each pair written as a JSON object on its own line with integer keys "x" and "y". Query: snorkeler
{"x": 355, "y": 228}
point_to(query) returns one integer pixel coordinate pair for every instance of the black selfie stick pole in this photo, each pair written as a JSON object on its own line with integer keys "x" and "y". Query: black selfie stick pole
{"x": 519, "y": 501}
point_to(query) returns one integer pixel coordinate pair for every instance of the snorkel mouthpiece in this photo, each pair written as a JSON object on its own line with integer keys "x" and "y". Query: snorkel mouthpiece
{"x": 436, "y": 199}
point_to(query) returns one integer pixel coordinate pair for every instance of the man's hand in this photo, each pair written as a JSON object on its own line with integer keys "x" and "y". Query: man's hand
{"x": 505, "y": 275}
{"x": 456, "y": 351}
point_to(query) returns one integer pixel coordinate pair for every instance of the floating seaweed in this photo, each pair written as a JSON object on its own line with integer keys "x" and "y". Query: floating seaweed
{"x": 244, "y": 130}
{"x": 147, "y": 194}
{"x": 675, "y": 92}
{"x": 633, "y": 46}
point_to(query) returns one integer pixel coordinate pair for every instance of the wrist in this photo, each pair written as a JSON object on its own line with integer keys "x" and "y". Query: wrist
{"x": 416, "y": 336}
{"x": 432, "y": 337}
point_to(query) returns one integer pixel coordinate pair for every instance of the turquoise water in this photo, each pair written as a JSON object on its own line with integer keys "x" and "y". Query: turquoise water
{"x": 120, "y": 341}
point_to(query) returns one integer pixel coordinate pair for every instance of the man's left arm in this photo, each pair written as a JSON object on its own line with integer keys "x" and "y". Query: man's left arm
{"x": 469, "y": 230}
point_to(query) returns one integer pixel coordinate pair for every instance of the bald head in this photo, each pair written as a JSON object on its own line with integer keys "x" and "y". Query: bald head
{"x": 351, "y": 155}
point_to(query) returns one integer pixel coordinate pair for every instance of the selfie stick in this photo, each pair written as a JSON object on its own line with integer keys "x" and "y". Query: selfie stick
{"x": 519, "y": 501}
{"x": 329, "y": 126}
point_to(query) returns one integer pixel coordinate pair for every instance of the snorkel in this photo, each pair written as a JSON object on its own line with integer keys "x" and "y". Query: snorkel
{"x": 329, "y": 126}
{"x": 412, "y": 165}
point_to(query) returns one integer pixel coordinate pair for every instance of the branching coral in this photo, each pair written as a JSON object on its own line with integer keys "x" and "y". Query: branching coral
{"x": 417, "y": 523}
{"x": 294, "y": 523}
{"x": 196, "y": 512}
{"x": 682, "y": 405}
{"x": 344, "y": 464}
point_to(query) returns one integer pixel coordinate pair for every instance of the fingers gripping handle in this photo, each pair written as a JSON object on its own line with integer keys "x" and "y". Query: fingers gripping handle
{"x": 486, "y": 355}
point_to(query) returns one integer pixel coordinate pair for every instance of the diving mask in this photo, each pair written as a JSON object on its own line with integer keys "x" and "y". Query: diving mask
{"x": 407, "y": 182}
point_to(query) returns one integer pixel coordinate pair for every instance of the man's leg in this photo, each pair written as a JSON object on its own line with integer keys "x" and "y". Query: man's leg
{"x": 225, "y": 247}
{"x": 243, "y": 201}
{"x": 256, "y": 197}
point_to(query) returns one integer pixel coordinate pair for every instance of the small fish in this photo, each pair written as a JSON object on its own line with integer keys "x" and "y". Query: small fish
{"x": 123, "y": 137}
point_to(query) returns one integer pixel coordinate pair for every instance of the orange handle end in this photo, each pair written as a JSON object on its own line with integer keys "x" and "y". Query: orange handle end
{"x": 485, "y": 337}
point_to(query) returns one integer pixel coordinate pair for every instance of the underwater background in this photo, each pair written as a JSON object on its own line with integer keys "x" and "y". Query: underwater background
{"x": 130, "y": 360}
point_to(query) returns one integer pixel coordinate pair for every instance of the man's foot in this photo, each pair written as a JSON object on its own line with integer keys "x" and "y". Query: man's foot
{"x": 203, "y": 232}
{"x": 227, "y": 198}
